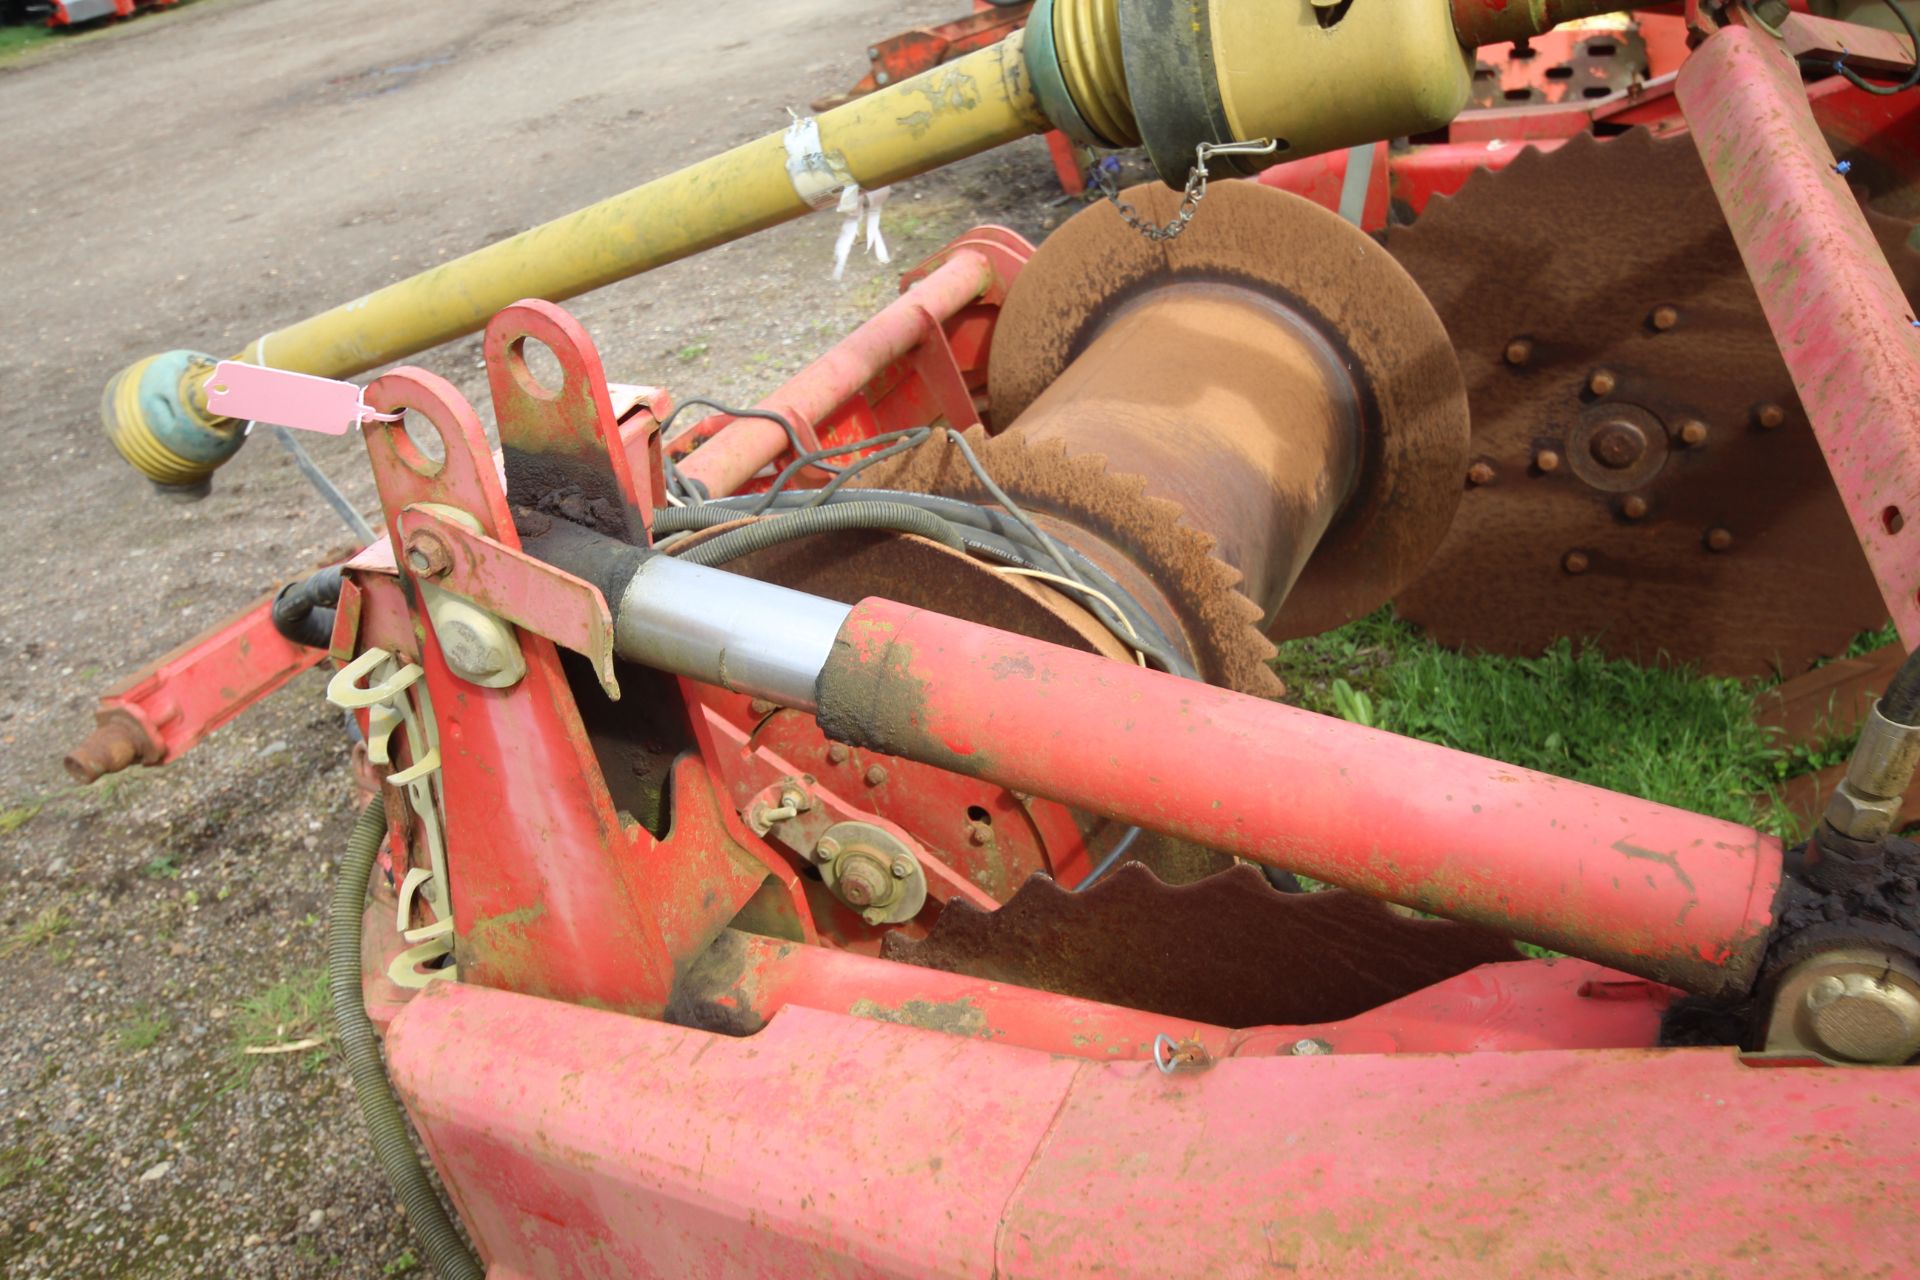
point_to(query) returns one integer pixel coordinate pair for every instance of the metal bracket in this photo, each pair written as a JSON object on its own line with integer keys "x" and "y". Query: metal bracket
{"x": 506, "y": 581}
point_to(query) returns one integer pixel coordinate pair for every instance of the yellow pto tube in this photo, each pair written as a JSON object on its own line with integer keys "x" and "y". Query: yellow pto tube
{"x": 155, "y": 410}
{"x": 1305, "y": 76}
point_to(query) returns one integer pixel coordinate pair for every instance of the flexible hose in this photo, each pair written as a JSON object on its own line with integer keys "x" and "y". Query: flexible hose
{"x": 303, "y": 612}
{"x": 771, "y": 531}
{"x": 1901, "y": 702}
{"x": 360, "y": 1045}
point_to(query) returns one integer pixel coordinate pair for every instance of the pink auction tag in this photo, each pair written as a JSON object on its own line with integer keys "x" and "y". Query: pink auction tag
{"x": 283, "y": 398}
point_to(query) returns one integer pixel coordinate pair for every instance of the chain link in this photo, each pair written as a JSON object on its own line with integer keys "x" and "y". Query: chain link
{"x": 1196, "y": 189}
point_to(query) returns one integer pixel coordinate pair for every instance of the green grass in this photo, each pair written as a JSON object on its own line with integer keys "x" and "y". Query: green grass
{"x": 18, "y": 40}
{"x": 1662, "y": 733}
{"x": 49, "y": 924}
{"x": 20, "y": 815}
{"x": 143, "y": 1030}
{"x": 292, "y": 1010}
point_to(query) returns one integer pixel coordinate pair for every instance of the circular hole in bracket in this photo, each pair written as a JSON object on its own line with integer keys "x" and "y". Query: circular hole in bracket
{"x": 419, "y": 443}
{"x": 1892, "y": 520}
{"x": 536, "y": 368}
{"x": 977, "y": 814}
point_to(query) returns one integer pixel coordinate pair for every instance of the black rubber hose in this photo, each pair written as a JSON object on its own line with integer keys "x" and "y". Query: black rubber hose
{"x": 772, "y": 530}
{"x": 360, "y": 1045}
{"x": 1901, "y": 702}
{"x": 303, "y": 611}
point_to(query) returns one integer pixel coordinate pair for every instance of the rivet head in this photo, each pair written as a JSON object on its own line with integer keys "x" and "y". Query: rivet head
{"x": 1634, "y": 507}
{"x": 1719, "y": 539}
{"x": 876, "y": 775}
{"x": 1547, "y": 460}
{"x": 1769, "y": 415}
{"x": 1602, "y": 382}
{"x": 1693, "y": 433}
{"x": 1480, "y": 473}
{"x": 1575, "y": 562}
{"x": 1519, "y": 352}
{"x": 837, "y": 753}
{"x": 1664, "y": 318}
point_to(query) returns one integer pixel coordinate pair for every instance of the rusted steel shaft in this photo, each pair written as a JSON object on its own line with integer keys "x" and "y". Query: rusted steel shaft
{"x": 1227, "y": 404}
{"x": 743, "y": 447}
{"x": 1669, "y": 895}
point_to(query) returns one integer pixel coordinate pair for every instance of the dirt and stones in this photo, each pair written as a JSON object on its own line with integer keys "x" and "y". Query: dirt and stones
{"x": 195, "y": 178}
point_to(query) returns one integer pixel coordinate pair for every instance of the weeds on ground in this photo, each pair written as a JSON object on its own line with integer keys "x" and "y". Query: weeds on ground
{"x": 46, "y": 925}
{"x": 18, "y": 40}
{"x": 143, "y": 1030}
{"x": 288, "y": 1018}
{"x": 1662, "y": 733}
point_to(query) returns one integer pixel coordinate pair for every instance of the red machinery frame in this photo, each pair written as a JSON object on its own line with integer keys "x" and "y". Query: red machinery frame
{"x": 831, "y": 1110}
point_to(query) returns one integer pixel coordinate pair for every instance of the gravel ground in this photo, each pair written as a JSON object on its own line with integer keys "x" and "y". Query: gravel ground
{"x": 192, "y": 179}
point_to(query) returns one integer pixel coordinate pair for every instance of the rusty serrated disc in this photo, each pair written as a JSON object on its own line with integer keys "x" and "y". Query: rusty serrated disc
{"x": 1734, "y": 552}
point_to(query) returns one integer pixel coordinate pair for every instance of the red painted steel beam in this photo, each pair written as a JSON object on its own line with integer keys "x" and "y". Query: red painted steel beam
{"x": 1843, "y": 324}
{"x": 1670, "y": 895}
{"x": 580, "y": 1142}
{"x": 734, "y": 454}
{"x": 155, "y": 715}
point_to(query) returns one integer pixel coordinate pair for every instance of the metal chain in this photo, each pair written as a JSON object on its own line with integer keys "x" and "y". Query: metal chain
{"x": 1196, "y": 189}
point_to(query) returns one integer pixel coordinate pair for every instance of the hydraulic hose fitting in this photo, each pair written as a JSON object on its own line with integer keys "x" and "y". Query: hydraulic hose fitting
{"x": 153, "y": 412}
{"x": 1866, "y": 805}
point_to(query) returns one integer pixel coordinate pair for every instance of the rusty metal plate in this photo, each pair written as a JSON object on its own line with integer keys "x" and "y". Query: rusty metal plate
{"x": 1228, "y": 950}
{"x": 1642, "y": 475}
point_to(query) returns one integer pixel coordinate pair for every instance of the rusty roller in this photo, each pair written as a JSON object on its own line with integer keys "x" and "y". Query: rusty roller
{"x": 1258, "y": 428}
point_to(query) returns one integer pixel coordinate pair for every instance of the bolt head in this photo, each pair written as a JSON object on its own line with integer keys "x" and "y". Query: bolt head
{"x": 864, "y": 881}
{"x": 1664, "y": 318}
{"x": 1693, "y": 433}
{"x": 793, "y": 799}
{"x": 826, "y": 850}
{"x": 874, "y": 916}
{"x": 1602, "y": 382}
{"x": 876, "y": 775}
{"x": 1519, "y": 352}
{"x": 882, "y": 78}
{"x": 979, "y": 833}
{"x": 901, "y": 868}
{"x": 1634, "y": 507}
{"x": 1547, "y": 460}
{"x": 837, "y": 753}
{"x": 428, "y": 555}
{"x": 1617, "y": 445}
{"x": 1480, "y": 473}
{"x": 1575, "y": 562}
{"x": 1719, "y": 539}
{"x": 1312, "y": 1048}
{"x": 1769, "y": 416}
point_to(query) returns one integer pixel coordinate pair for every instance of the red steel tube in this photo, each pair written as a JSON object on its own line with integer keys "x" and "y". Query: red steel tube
{"x": 740, "y": 449}
{"x": 1670, "y": 895}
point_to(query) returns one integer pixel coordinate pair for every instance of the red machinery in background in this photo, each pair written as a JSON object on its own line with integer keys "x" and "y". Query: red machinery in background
{"x": 742, "y": 898}
{"x": 72, "y": 13}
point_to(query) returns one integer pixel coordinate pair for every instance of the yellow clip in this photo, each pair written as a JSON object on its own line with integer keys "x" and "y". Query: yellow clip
{"x": 345, "y": 691}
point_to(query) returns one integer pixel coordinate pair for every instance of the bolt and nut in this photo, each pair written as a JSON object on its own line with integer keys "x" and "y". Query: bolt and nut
{"x": 826, "y": 850}
{"x": 428, "y": 555}
{"x": 979, "y": 833}
{"x": 1548, "y": 460}
{"x": 1575, "y": 562}
{"x": 1719, "y": 539}
{"x": 901, "y": 868}
{"x": 1519, "y": 352}
{"x": 1693, "y": 433}
{"x": 1769, "y": 415}
{"x": 1634, "y": 507}
{"x": 864, "y": 882}
{"x": 1312, "y": 1048}
{"x": 1602, "y": 382}
{"x": 1617, "y": 445}
{"x": 1664, "y": 318}
{"x": 1480, "y": 473}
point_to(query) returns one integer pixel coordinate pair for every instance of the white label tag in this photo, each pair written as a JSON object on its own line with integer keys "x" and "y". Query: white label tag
{"x": 282, "y": 398}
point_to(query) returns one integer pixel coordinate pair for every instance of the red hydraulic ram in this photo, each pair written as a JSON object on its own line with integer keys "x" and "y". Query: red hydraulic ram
{"x": 741, "y": 448}
{"x": 1666, "y": 894}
